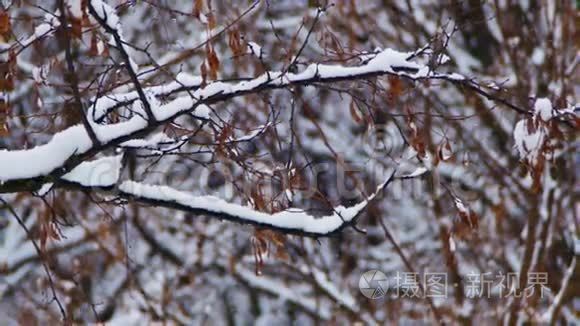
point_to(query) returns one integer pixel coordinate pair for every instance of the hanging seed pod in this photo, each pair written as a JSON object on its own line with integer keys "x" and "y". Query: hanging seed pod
{"x": 5, "y": 26}
{"x": 4, "y": 108}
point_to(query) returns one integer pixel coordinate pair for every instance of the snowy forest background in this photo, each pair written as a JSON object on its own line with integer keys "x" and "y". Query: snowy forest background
{"x": 336, "y": 138}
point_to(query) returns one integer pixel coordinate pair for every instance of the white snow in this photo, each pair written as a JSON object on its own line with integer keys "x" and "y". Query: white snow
{"x": 39, "y": 74}
{"x": 39, "y": 31}
{"x": 44, "y": 29}
{"x": 255, "y": 49}
{"x": 526, "y": 142}
{"x": 543, "y": 109}
{"x": 154, "y": 140}
{"x": 418, "y": 171}
{"x": 103, "y": 104}
{"x": 103, "y": 172}
{"x": 107, "y": 13}
{"x": 186, "y": 79}
{"x": 538, "y": 56}
{"x": 251, "y": 135}
{"x": 445, "y": 152}
{"x": 202, "y": 111}
{"x": 44, "y": 189}
{"x": 452, "y": 245}
{"x": 111, "y": 132}
{"x": 111, "y": 19}
{"x": 291, "y": 219}
{"x": 456, "y": 76}
{"x": 43, "y": 159}
{"x": 75, "y": 8}
{"x": 529, "y": 141}
{"x": 460, "y": 206}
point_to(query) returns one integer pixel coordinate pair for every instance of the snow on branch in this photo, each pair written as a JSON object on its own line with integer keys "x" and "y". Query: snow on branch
{"x": 531, "y": 135}
{"x": 45, "y": 29}
{"x": 103, "y": 105}
{"x": 50, "y": 158}
{"x": 73, "y": 145}
{"x": 292, "y": 221}
{"x": 154, "y": 142}
{"x": 44, "y": 159}
{"x": 106, "y": 16}
{"x": 103, "y": 172}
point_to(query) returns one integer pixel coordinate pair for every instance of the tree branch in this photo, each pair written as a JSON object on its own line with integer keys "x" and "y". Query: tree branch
{"x": 291, "y": 221}
{"x": 65, "y": 155}
{"x": 128, "y": 61}
{"x": 40, "y": 254}
{"x": 71, "y": 74}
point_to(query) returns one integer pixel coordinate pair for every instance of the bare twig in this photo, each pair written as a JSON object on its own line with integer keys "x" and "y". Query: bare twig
{"x": 436, "y": 313}
{"x": 40, "y": 254}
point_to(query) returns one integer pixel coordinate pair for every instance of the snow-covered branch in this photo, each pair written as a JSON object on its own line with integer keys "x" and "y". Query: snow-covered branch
{"x": 292, "y": 221}
{"x": 103, "y": 174}
{"x": 108, "y": 19}
{"x": 29, "y": 169}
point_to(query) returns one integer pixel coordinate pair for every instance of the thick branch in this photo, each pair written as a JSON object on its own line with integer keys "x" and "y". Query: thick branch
{"x": 291, "y": 221}
{"x": 66, "y": 154}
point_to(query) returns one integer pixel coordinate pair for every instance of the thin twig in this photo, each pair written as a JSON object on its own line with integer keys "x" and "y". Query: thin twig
{"x": 407, "y": 263}
{"x": 40, "y": 254}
